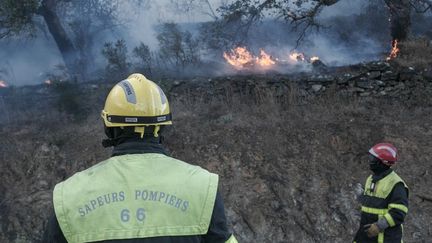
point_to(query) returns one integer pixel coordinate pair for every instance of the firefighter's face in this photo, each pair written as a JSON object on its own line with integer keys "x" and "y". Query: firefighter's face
{"x": 374, "y": 162}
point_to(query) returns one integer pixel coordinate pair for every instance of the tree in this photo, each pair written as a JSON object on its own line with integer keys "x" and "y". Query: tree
{"x": 143, "y": 54}
{"x": 116, "y": 55}
{"x": 85, "y": 21}
{"x": 304, "y": 13}
{"x": 177, "y": 47}
{"x": 17, "y": 18}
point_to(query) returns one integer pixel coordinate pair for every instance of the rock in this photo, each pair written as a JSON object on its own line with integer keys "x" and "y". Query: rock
{"x": 348, "y": 75}
{"x": 407, "y": 74}
{"x": 378, "y": 66}
{"x": 342, "y": 81}
{"x": 379, "y": 83}
{"x": 410, "y": 84}
{"x": 364, "y": 84}
{"x": 387, "y": 89}
{"x": 389, "y": 75}
{"x": 316, "y": 87}
{"x": 356, "y": 90}
{"x": 322, "y": 79}
{"x": 345, "y": 78}
{"x": 374, "y": 75}
{"x": 400, "y": 86}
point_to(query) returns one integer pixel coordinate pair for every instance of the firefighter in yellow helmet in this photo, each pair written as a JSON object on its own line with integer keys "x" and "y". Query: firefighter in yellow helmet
{"x": 140, "y": 194}
{"x": 384, "y": 203}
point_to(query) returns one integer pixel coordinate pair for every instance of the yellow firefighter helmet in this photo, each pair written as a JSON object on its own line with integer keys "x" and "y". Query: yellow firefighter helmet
{"x": 136, "y": 101}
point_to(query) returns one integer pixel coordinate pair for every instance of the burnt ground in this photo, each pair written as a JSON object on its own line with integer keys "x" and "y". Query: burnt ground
{"x": 289, "y": 158}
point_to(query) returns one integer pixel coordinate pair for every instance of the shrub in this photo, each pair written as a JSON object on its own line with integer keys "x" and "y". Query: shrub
{"x": 176, "y": 47}
{"x": 144, "y": 56}
{"x": 69, "y": 100}
{"x": 116, "y": 55}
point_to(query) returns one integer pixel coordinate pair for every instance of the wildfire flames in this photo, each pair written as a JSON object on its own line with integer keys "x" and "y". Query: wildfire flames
{"x": 297, "y": 57}
{"x": 314, "y": 58}
{"x": 264, "y": 59}
{"x": 240, "y": 58}
{"x": 3, "y": 84}
{"x": 394, "y": 51}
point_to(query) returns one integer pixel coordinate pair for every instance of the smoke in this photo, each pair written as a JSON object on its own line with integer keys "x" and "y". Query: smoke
{"x": 335, "y": 53}
{"x": 347, "y": 36}
{"x": 141, "y": 23}
{"x": 25, "y": 61}
{"x": 352, "y": 33}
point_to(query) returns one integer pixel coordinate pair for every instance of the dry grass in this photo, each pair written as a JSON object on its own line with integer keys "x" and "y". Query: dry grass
{"x": 416, "y": 53}
{"x": 288, "y": 164}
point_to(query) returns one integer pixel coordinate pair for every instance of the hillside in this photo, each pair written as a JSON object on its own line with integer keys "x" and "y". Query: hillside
{"x": 290, "y": 150}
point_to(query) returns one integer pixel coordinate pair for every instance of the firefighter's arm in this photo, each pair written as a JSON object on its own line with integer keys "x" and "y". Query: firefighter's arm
{"x": 398, "y": 205}
{"x": 218, "y": 230}
{"x": 53, "y": 233}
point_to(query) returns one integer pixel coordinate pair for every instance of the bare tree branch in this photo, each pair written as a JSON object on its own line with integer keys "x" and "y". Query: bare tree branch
{"x": 300, "y": 13}
{"x": 421, "y": 6}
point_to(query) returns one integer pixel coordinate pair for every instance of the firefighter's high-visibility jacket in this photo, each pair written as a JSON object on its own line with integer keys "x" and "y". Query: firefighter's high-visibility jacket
{"x": 385, "y": 196}
{"x": 139, "y": 197}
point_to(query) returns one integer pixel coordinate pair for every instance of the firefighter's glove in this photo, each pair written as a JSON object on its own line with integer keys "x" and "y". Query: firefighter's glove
{"x": 372, "y": 230}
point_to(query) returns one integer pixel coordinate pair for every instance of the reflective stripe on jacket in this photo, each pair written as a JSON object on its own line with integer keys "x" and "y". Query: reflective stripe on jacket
{"x": 385, "y": 198}
{"x": 135, "y": 196}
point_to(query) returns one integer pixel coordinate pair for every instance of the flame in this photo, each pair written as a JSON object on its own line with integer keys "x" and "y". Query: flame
{"x": 297, "y": 57}
{"x": 3, "y": 84}
{"x": 394, "y": 51}
{"x": 314, "y": 58}
{"x": 48, "y": 82}
{"x": 264, "y": 59}
{"x": 238, "y": 57}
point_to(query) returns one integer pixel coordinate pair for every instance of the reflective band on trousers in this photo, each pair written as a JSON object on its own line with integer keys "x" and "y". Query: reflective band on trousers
{"x": 381, "y": 237}
{"x": 381, "y": 234}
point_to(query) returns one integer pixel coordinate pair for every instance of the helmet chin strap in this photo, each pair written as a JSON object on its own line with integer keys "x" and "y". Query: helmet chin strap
{"x": 141, "y": 131}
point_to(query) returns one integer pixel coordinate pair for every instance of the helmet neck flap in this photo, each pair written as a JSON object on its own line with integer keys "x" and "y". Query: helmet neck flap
{"x": 118, "y": 135}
